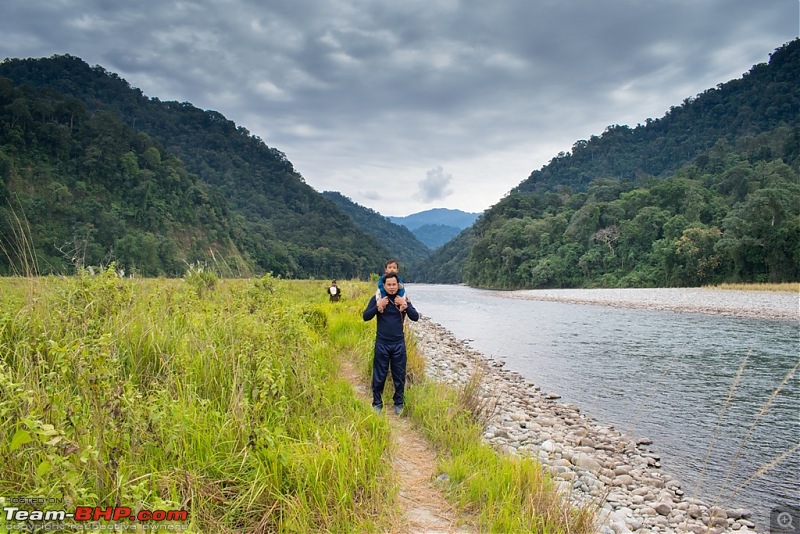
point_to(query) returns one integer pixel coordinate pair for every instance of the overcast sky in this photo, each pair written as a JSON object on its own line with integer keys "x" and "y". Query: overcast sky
{"x": 409, "y": 105}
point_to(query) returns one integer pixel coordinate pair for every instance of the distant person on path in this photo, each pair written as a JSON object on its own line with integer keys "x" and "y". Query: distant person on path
{"x": 390, "y": 343}
{"x": 391, "y": 266}
{"x": 334, "y": 292}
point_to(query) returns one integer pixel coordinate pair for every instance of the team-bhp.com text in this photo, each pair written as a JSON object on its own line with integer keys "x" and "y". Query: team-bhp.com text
{"x": 94, "y": 513}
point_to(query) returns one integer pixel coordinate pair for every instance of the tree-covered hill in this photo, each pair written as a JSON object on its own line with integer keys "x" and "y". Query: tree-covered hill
{"x": 709, "y": 193}
{"x": 72, "y": 134}
{"x": 765, "y": 98}
{"x": 446, "y": 263}
{"x": 398, "y": 240}
{"x": 83, "y": 189}
{"x": 436, "y": 235}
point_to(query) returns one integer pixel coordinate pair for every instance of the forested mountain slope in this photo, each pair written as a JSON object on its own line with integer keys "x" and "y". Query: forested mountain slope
{"x": 436, "y": 235}
{"x": 78, "y": 189}
{"x": 86, "y": 132}
{"x": 764, "y": 98}
{"x": 446, "y": 264}
{"x": 709, "y": 193}
{"x": 398, "y": 240}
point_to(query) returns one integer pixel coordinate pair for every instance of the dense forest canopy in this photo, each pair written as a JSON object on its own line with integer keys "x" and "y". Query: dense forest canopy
{"x": 709, "y": 193}
{"x": 398, "y": 239}
{"x": 93, "y": 171}
{"x": 102, "y": 173}
{"x": 765, "y": 98}
{"x": 436, "y": 235}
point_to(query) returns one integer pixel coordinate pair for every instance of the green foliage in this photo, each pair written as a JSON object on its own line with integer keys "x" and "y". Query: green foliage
{"x": 109, "y": 174}
{"x": 99, "y": 192}
{"x": 436, "y": 235}
{"x": 684, "y": 230}
{"x": 504, "y": 493}
{"x": 200, "y": 278}
{"x": 708, "y": 194}
{"x": 445, "y": 266}
{"x": 140, "y": 393}
{"x": 399, "y": 240}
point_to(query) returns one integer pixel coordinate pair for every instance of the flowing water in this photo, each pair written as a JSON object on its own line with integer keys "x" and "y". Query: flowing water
{"x": 667, "y": 376}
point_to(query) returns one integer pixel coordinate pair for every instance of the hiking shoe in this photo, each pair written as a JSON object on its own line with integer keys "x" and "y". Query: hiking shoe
{"x": 398, "y": 410}
{"x": 377, "y": 409}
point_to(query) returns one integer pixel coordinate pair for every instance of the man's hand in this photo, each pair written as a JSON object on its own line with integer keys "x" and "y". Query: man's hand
{"x": 382, "y": 304}
{"x": 401, "y": 303}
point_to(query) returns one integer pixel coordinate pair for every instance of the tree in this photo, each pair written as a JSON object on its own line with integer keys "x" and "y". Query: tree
{"x": 608, "y": 236}
{"x": 696, "y": 249}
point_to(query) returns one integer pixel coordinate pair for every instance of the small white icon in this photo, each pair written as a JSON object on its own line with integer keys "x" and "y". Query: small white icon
{"x": 785, "y": 520}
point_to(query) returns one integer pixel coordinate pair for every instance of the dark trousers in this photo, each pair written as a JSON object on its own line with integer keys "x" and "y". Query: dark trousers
{"x": 389, "y": 355}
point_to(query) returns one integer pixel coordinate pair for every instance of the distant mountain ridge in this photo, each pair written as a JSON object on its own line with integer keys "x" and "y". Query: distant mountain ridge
{"x": 397, "y": 239}
{"x": 441, "y": 216}
{"x": 437, "y": 226}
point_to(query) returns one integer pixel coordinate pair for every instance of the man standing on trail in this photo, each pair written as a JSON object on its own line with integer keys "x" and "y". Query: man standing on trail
{"x": 390, "y": 343}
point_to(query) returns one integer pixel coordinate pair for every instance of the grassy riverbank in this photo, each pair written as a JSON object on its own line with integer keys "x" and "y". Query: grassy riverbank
{"x": 222, "y": 398}
{"x": 789, "y": 287}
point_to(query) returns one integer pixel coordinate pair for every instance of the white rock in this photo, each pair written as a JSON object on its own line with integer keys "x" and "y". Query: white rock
{"x": 585, "y": 461}
{"x": 548, "y": 446}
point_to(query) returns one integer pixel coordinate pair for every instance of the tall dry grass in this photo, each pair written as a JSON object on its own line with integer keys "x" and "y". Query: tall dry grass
{"x": 787, "y": 287}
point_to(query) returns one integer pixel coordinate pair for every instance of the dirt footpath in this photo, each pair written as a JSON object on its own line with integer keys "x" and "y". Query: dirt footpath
{"x": 423, "y": 508}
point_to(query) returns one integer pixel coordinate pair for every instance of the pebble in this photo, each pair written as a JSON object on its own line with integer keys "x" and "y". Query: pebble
{"x": 736, "y": 303}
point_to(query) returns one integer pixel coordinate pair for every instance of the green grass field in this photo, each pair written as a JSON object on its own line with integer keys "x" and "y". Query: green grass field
{"x": 223, "y": 398}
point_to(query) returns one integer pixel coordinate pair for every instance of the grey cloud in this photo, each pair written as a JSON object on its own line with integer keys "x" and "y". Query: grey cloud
{"x": 372, "y": 195}
{"x": 341, "y": 85}
{"x": 435, "y": 186}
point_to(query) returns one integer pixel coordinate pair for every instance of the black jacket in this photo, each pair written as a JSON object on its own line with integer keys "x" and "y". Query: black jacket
{"x": 390, "y": 322}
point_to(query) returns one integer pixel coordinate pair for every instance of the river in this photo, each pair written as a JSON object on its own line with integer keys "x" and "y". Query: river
{"x": 665, "y": 375}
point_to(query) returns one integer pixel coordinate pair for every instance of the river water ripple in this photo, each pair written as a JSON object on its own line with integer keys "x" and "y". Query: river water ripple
{"x": 666, "y": 375}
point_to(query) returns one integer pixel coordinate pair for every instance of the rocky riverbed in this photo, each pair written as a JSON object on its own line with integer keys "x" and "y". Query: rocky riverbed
{"x": 592, "y": 464}
{"x": 765, "y": 304}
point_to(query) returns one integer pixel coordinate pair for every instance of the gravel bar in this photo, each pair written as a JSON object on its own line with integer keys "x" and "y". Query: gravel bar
{"x": 763, "y": 304}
